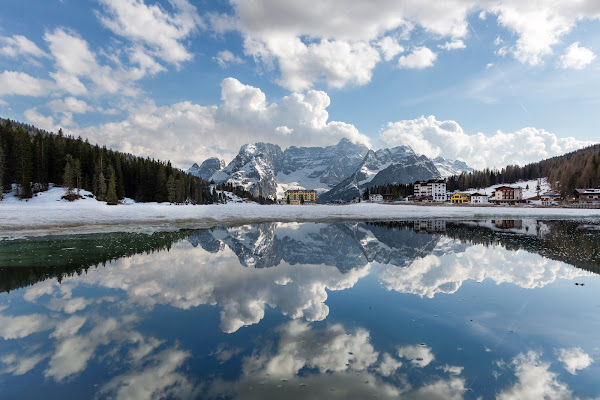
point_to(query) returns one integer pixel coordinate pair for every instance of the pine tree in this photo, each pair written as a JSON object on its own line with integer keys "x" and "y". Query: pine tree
{"x": 172, "y": 189}
{"x": 111, "y": 196}
{"x": 68, "y": 176}
{"x": 301, "y": 199}
{"x": 288, "y": 199}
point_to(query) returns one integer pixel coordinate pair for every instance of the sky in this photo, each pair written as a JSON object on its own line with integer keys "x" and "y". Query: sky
{"x": 490, "y": 82}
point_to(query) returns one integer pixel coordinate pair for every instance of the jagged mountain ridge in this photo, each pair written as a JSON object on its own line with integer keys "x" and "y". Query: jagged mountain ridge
{"x": 344, "y": 245}
{"x": 337, "y": 172}
{"x": 448, "y": 168}
{"x": 265, "y": 170}
{"x": 207, "y": 169}
{"x": 399, "y": 165}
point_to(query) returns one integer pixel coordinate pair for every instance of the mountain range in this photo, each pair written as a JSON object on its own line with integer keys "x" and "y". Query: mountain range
{"x": 337, "y": 172}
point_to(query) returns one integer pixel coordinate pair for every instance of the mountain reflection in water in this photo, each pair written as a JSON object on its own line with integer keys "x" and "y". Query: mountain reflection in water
{"x": 411, "y": 309}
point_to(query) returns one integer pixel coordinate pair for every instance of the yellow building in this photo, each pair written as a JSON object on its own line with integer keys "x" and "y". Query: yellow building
{"x": 301, "y": 196}
{"x": 459, "y": 198}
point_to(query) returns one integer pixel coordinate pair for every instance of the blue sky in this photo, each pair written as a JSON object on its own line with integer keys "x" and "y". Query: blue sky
{"x": 491, "y": 82}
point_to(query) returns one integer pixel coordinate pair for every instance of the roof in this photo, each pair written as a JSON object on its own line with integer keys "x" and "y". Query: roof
{"x": 588, "y": 191}
{"x": 299, "y": 190}
{"x": 551, "y": 194}
{"x": 506, "y": 187}
{"x": 478, "y": 194}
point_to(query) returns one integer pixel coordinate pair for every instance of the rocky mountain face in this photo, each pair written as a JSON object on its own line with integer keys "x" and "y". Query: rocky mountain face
{"x": 265, "y": 170}
{"x": 344, "y": 245}
{"x": 399, "y": 165}
{"x": 451, "y": 167}
{"x": 337, "y": 172}
{"x": 207, "y": 168}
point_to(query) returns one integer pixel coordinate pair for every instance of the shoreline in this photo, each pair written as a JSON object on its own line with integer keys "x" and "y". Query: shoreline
{"x": 22, "y": 219}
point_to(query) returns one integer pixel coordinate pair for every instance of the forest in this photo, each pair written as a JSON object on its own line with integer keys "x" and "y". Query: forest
{"x": 33, "y": 159}
{"x": 577, "y": 169}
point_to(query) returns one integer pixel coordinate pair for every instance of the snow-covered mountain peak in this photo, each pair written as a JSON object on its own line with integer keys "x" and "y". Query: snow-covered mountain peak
{"x": 207, "y": 168}
{"x": 448, "y": 167}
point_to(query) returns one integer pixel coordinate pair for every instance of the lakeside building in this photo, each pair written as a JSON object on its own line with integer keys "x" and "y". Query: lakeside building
{"x": 550, "y": 198}
{"x": 507, "y": 195}
{"x": 375, "y": 198}
{"x": 301, "y": 196}
{"x": 433, "y": 189}
{"x": 430, "y": 225}
{"x": 460, "y": 198}
{"x": 479, "y": 198}
{"x": 587, "y": 195}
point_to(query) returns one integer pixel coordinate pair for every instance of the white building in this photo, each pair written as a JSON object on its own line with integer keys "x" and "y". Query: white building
{"x": 433, "y": 189}
{"x": 376, "y": 198}
{"x": 478, "y": 198}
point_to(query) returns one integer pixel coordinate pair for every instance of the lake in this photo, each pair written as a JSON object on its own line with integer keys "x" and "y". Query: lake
{"x": 506, "y": 309}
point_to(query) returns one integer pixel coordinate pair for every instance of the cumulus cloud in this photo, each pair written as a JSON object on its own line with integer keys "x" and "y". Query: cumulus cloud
{"x": 159, "y": 377}
{"x": 428, "y": 136}
{"x": 69, "y": 104}
{"x": 419, "y": 356}
{"x": 152, "y": 26}
{"x": 434, "y": 274}
{"x": 539, "y": 26}
{"x": 457, "y": 44}
{"x": 18, "y": 45}
{"x": 576, "y": 57}
{"x": 309, "y": 46}
{"x": 186, "y": 132}
{"x": 225, "y": 58}
{"x": 18, "y": 327}
{"x": 534, "y": 380}
{"x": 390, "y": 47}
{"x": 420, "y": 58}
{"x": 574, "y": 359}
{"x": 20, "y": 83}
{"x": 74, "y": 61}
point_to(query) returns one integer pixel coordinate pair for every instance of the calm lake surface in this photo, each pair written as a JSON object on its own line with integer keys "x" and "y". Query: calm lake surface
{"x": 413, "y": 310}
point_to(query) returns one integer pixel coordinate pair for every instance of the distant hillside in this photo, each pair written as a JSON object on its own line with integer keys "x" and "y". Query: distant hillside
{"x": 578, "y": 169}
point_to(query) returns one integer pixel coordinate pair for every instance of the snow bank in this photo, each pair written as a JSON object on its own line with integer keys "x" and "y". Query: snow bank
{"x": 47, "y": 214}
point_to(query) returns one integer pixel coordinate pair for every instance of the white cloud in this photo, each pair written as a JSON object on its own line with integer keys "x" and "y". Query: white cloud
{"x": 19, "y": 45}
{"x": 159, "y": 377}
{"x": 20, "y": 83}
{"x": 419, "y": 356}
{"x": 454, "y": 45}
{"x": 539, "y": 26}
{"x": 574, "y": 359}
{"x": 74, "y": 60}
{"x": 390, "y": 47}
{"x": 20, "y": 364}
{"x": 428, "y": 136}
{"x": 69, "y": 104}
{"x": 309, "y": 45}
{"x": 534, "y": 380}
{"x": 41, "y": 121}
{"x": 225, "y": 58}
{"x": 388, "y": 365}
{"x": 18, "y": 327}
{"x": 451, "y": 369}
{"x": 185, "y": 132}
{"x": 152, "y": 26}
{"x": 576, "y": 57}
{"x": 421, "y": 57}
{"x": 434, "y": 274}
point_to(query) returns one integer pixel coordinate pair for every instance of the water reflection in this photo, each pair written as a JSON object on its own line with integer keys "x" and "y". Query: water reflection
{"x": 421, "y": 309}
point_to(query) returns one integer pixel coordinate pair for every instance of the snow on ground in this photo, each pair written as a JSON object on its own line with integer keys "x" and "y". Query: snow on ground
{"x": 529, "y": 188}
{"x": 48, "y": 214}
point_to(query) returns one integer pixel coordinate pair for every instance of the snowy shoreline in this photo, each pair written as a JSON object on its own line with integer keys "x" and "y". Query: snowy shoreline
{"x": 50, "y": 215}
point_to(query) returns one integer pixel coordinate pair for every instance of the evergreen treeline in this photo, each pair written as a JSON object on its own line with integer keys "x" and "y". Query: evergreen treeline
{"x": 578, "y": 169}
{"x": 32, "y": 161}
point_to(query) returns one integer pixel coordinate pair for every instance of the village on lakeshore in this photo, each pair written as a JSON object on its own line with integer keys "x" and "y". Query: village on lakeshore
{"x": 434, "y": 191}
